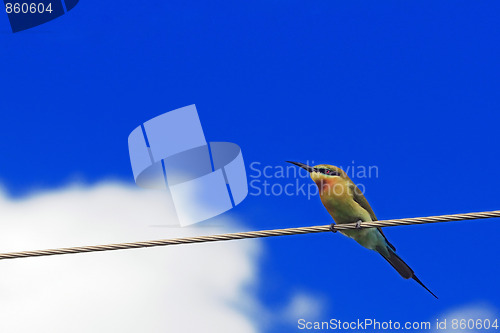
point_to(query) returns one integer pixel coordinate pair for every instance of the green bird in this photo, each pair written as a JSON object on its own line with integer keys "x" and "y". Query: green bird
{"x": 346, "y": 204}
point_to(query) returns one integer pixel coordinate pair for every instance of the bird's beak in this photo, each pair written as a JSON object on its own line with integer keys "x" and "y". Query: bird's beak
{"x": 303, "y": 166}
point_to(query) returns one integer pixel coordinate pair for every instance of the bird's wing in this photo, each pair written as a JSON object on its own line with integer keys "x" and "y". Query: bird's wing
{"x": 361, "y": 200}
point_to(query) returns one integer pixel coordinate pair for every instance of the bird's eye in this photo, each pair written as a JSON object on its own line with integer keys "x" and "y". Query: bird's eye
{"x": 330, "y": 172}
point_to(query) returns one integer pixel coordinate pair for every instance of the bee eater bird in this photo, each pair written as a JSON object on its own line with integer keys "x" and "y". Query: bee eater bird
{"x": 347, "y": 204}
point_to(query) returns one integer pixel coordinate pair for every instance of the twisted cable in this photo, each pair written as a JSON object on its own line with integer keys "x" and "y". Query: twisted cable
{"x": 254, "y": 234}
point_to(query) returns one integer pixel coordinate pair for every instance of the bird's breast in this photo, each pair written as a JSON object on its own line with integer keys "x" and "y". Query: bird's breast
{"x": 338, "y": 200}
{"x": 332, "y": 187}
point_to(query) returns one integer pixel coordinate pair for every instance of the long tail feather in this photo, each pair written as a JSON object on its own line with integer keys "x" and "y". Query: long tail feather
{"x": 403, "y": 269}
{"x": 423, "y": 285}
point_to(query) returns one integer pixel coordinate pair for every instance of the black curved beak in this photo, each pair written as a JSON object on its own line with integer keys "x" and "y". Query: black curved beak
{"x": 303, "y": 166}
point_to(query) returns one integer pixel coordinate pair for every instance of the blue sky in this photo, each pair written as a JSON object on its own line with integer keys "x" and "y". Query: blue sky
{"x": 409, "y": 87}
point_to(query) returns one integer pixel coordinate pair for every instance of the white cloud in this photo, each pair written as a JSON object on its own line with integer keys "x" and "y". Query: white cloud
{"x": 187, "y": 288}
{"x": 303, "y": 305}
{"x": 477, "y": 311}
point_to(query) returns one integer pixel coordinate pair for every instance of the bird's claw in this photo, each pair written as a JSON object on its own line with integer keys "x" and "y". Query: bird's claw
{"x": 332, "y": 228}
{"x": 358, "y": 225}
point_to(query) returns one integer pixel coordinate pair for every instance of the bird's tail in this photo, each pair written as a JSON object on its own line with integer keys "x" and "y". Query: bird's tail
{"x": 403, "y": 269}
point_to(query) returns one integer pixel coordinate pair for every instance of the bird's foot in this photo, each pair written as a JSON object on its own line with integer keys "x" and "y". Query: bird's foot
{"x": 332, "y": 228}
{"x": 358, "y": 224}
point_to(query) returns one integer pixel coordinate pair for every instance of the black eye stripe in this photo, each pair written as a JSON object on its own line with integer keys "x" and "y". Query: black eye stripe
{"x": 328, "y": 172}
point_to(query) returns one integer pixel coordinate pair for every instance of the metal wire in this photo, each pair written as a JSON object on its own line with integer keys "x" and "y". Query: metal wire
{"x": 253, "y": 234}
